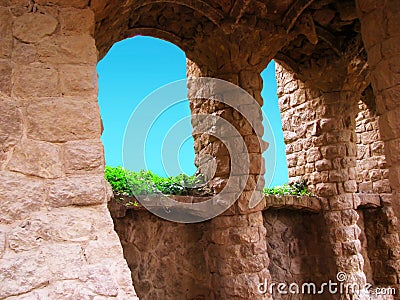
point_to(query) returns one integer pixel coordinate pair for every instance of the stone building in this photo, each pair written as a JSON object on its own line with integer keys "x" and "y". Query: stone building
{"x": 338, "y": 73}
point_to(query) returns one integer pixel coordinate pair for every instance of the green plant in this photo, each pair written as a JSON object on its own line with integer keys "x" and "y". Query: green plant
{"x": 299, "y": 188}
{"x": 129, "y": 183}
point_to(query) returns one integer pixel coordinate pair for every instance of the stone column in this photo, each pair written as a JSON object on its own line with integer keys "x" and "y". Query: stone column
{"x": 56, "y": 234}
{"x": 237, "y": 255}
{"x": 319, "y": 130}
{"x": 380, "y": 29}
{"x": 335, "y": 180}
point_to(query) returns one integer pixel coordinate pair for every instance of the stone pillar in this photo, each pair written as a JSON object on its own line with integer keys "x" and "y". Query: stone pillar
{"x": 56, "y": 234}
{"x": 319, "y": 130}
{"x": 335, "y": 180}
{"x": 380, "y": 29}
{"x": 237, "y": 255}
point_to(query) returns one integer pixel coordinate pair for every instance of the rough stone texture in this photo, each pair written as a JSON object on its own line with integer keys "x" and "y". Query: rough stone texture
{"x": 372, "y": 172}
{"x": 56, "y": 234}
{"x": 50, "y": 120}
{"x": 381, "y": 44}
{"x": 40, "y": 159}
{"x": 380, "y": 245}
{"x": 31, "y": 28}
{"x": 166, "y": 259}
{"x": 299, "y": 249}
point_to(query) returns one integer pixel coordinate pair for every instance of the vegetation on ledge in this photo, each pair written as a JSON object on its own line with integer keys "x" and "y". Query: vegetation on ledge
{"x": 129, "y": 183}
{"x": 297, "y": 189}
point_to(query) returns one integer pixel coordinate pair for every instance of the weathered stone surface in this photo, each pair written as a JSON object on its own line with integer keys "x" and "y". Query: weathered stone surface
{"x": 35, "y": 81}
{"x": 23, "y": 273}
{"x": 10, "y": 124}
{"x": 144, "y": 253}
{"x": 5, "y": 79}
{"x": 23, "y": 53}
{"x": 5, "y": 32}
{"x": 67, "y": 3}
{"x": 59, "y": 120}
{"x": 75, "y": 21}
{"x": 77, "y": 190}
{"x": 2, "y": 243}
{"x": 33, "y": 27}
{"x": 76, "y": 49}
{"x": 83, "y": 156}
{"x": 19, "y": 196}
{"x": 37, "y": 158}
{"x": 78, "y": 81}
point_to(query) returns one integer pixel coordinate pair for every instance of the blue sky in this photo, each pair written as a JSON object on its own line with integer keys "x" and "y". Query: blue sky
{"x": 135, "y": 68}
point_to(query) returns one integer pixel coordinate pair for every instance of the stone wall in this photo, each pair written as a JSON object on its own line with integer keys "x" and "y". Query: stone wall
{"x": 380, "y": 31}
{"x": 298, "y": 110}
{"x": 372, "y": 172}
{"x": 166, "y": 259}
{"x": 380, "y": 245}
{"x": 299, "y": 250}
{"x": 299, "y": 124}
{"x": 56, "y": 234}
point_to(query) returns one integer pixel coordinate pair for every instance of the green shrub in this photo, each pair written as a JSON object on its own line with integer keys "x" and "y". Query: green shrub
{"x": 297, "y": 189}
{"x": 129, "y": 183}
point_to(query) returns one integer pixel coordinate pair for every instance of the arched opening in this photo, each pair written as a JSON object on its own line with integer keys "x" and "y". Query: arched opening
{"x": 275, "y": 155}
{"x": 132, "y": 70}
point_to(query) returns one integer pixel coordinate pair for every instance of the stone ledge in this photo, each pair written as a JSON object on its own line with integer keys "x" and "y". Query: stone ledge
{"x": 303, "y": 203}
{"x": 289, "y": 202}
{"x": 362, "y": 200}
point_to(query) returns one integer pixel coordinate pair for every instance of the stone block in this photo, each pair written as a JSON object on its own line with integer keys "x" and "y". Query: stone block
{"x": 35, "y": 81}
{"x": 313, "y": 155}
{"x": 340, "y": 202}
{"x": 10, "y": 124}
{"x": 19, "y": 196}
{"x": 338, "y": 175}
{"x": 76, "y": 49}
{"x": 24, "y": 54}
{"x": 381, "y": 186}
{"x": 350, "y": 186}
{"x": 323, "y": 165}
{"x": 390, "y": 125}
{"x": 336, "y": 151}
{"x": 37, "y": 158}
{"x": 78, "y": 81}
{"x": 61, "y": 120}
{"x": 14, "y": 278}
{"x": 326, "y": 189}
{"x": 77, "y": 21}
{"x": 83, "y": 156}
{"x": 77, "y": 190}
{"x": 365, "y": 187}
{"x": 33, "y": 27}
